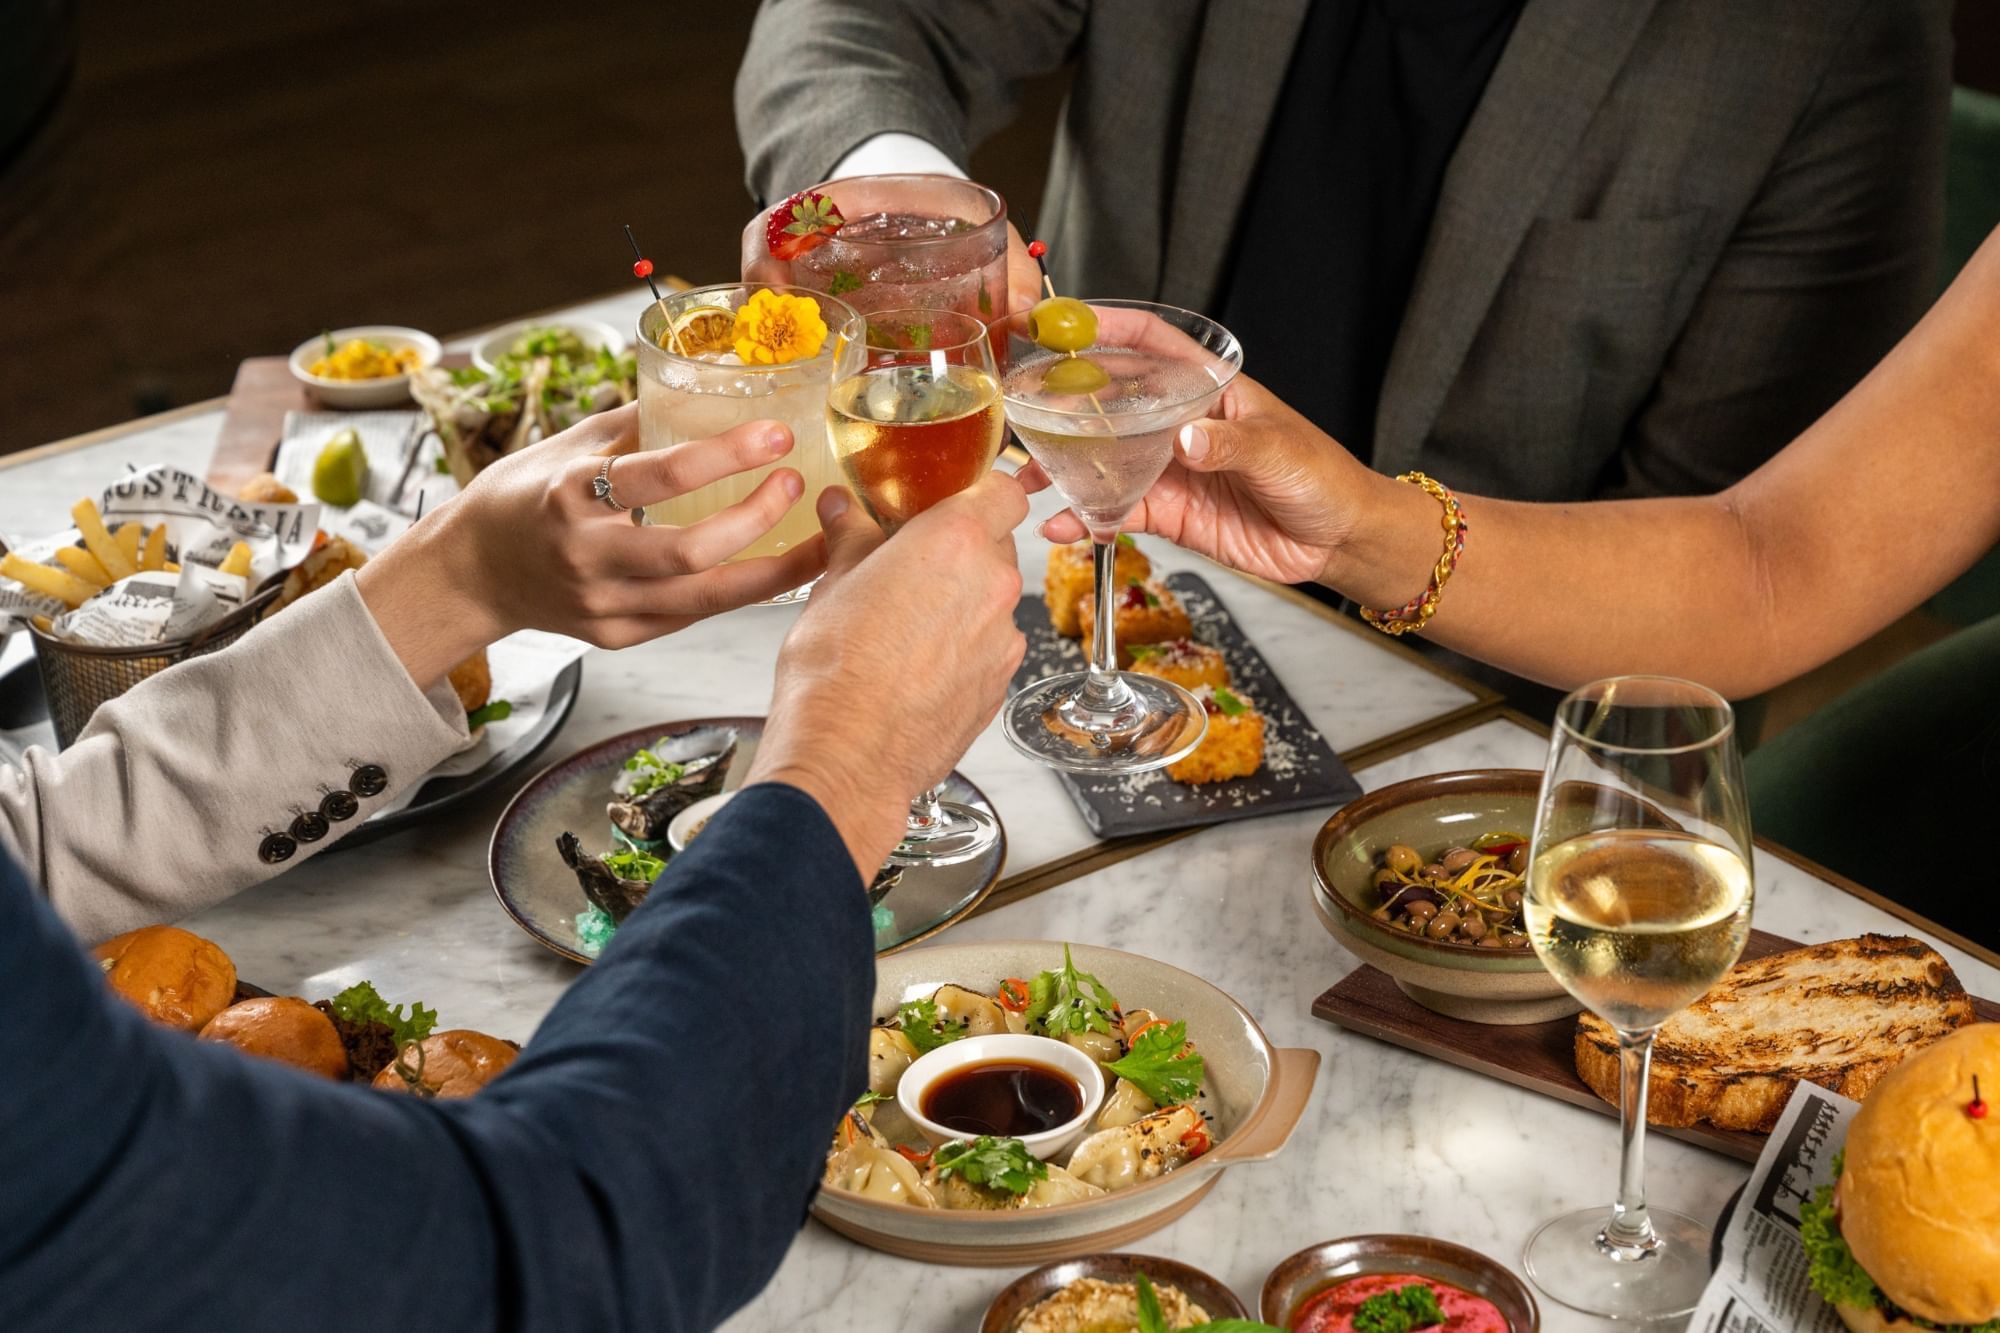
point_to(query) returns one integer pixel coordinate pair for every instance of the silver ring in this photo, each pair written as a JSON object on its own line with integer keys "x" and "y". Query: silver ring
{"x": 600, "y": 486}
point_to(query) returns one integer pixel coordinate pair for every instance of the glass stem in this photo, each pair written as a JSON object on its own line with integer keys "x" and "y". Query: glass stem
{"x": 1103, "y": 689}
{"x": 925, "y": 814}
{"x": 1630, "y": 1231}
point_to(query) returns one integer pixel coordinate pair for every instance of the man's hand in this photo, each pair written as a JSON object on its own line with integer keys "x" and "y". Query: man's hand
{"x": 1256, "y": 487}
{"x": 901, "y": 658}
{"x": 1024, "y": 275}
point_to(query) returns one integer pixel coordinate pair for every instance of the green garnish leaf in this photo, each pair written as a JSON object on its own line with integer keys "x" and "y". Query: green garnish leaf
{"x": 926, "y": 1028}
{"x": 634, "y": 864}
{"x": 870, "y": 1097}
{"x": 1160, "y": 1065}
{"x": 1399, "y": 1311}
{"x": 1230, "y": 705}
{"x": 920, "y": 337}
{"x": 497, "y": 711}
{"x": 997, "y": 1164}
{"x": 985, "y": 298}
{"x": 1142, "y": 651}
{"x": 1070, "y": 1001}
{"x": 1125, "y": 539}
{"x": 844, "y": 281}
{"x": 1152, "y": 1319}
{"x": 653, "y": 772}
{"x": 361, "y": 1003}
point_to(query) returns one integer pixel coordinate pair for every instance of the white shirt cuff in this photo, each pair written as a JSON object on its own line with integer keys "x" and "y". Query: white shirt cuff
{"x": 895, "y": 153}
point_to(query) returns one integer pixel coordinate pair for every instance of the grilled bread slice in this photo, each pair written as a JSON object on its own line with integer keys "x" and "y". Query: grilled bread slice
{"x": 1839, "y": 1014}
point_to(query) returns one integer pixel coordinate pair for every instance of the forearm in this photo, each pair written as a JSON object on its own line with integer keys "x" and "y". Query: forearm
{"x": 644, "y": 1164}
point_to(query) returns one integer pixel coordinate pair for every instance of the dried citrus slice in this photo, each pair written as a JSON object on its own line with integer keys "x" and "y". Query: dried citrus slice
{"x": 704, "y": 330}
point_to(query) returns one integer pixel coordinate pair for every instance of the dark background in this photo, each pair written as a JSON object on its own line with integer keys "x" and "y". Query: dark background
{"x": 220, "y": 179}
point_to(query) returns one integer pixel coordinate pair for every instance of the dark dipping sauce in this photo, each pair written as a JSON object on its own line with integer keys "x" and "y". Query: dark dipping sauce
{"x": 1005, "y": 1098}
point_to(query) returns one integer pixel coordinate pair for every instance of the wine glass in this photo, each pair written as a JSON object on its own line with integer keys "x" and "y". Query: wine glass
{"x": 915, "y": 417}
{"x": 1100, "y": 421}
{"x": 1638, "y": 900}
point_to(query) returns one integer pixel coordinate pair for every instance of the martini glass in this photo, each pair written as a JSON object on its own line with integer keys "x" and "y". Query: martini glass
{"x": 914, "y": 417}
{"x": 1103, "y": 451}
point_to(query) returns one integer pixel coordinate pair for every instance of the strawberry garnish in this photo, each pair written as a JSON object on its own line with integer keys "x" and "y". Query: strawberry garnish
{"x": 800, "y": 223}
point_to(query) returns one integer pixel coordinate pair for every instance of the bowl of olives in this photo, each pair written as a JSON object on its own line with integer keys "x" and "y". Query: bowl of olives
{"x": 1424, "y": 881}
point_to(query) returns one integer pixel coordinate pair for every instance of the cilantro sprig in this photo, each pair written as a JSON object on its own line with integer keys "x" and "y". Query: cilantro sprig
{"x": 362, "y": 1003}
{"x": 997, "y": 1164}
{"x": 1069, "y": 1001}
{"x": 1152, "y": 1319}
{"x": 926, "y": 1028}
{"x": 870, "y": 1097}
{"x": 652, "y": 771}
{"x": 1161, "y": 1065}
{"x": 1412, "y": 1307}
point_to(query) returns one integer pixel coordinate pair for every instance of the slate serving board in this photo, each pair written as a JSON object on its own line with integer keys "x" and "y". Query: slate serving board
{"x": 1300, "y": 772}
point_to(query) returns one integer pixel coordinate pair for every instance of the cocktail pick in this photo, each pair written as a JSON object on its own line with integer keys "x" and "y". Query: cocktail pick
{"x": 1976, "y": 1108}
{"x": 643, "y": 267}
{"x": 1036, "y": 249}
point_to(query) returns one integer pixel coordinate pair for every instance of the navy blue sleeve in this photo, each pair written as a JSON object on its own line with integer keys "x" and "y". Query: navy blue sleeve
{"x": 644, "y": 1165}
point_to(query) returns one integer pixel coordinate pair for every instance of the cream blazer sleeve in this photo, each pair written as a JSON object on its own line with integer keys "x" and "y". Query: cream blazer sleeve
{"x": 226, "y": 769}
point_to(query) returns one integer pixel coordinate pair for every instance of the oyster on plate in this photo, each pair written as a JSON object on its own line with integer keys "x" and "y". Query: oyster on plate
{"x": 663, "y": 779}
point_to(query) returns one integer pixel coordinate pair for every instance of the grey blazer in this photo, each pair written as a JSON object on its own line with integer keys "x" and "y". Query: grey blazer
{"x": 1674, "y": 232}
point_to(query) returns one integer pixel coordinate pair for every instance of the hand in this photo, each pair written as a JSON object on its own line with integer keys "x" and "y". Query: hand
{"x": 901, "y": 658}
{"x": 527, "y": 546}
{"x": 1257, "y": 487}
{"x": 1024, "y": 275}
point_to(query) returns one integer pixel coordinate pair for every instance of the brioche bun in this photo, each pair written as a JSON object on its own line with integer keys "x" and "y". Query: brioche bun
{"x": 176, "y": 978}
{"x": 473, "y": 679}
{"x": 456, "y": 1063}
{"x": 282, "y": 1028}
{"x": 1919, "y": 1194}
{"x": 265, "y": 488}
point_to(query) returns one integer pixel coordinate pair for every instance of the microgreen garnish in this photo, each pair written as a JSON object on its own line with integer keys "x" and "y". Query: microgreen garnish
{"x": 634, "y": 865}
{"x": 997, "y": 1164}
{"x": 1399, "y": 1311}
{"x": 1152, "y": 1319}
{"x": 844, "y": 281}
{"x": 1125, "y": 539}
{"x": 1230, "y": 705}
{"x": 870, "y": 1097}
{"x": 1070, "y": 1001}
{"x": 1161, "y": 1065}
{"x": 361, "y": 1003}
{"x": 653, "y": 772}
{"x": 1142, "y": 651}
{"x": 920, "y": 337}
{"x": 926, "y": 1028}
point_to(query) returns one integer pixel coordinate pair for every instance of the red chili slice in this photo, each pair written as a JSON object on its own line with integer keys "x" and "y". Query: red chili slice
{"x": 1014, "y": 994}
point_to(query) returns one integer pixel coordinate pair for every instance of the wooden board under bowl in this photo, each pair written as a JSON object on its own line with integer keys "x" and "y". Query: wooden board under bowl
{"x": 1540, "y": 1057}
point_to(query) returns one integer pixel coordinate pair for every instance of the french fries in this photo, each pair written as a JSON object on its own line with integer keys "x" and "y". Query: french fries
{"x": 101, "y": 543}
{"x": 60, "y": 584}
{"x": 155, "y": 554}
{"x": 237, "y": 562}
{"x": 128, "y": 536}
{"x": 84, "y": 565}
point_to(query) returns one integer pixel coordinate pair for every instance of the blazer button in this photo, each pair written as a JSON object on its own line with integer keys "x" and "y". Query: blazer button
{"x": 369, "y": 780}
{"x": 276, "y": 848}
{"x": 310, "y": 826}
{"x": 339, "y": 805}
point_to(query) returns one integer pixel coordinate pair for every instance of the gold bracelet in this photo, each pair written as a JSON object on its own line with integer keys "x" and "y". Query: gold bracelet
{"x": 1414, "y": 614}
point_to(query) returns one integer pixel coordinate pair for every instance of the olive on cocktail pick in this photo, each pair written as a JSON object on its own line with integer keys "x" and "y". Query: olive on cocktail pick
{"x": 1065, "y": 324}
{"x": 1075, "y": 375}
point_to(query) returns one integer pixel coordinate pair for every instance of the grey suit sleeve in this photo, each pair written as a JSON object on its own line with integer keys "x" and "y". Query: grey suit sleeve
{"x": 164, "y": 803}
{"x": 821, "y": 76}
{"x": 1831, "y": 264}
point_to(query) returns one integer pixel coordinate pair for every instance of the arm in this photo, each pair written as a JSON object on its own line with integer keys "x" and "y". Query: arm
{"x": 1879, "y": 504}
{"x": 164, "y": 804}
{"x": 819, "y": 77}
{"x": 1832, "y": 262}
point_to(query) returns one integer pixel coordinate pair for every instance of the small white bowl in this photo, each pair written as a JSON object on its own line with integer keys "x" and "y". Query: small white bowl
{"x": 681, "y": 827}
{"x": 591, "y": 332}
{"x": 929, "y": 1068}
{"x": 353, "y": 395}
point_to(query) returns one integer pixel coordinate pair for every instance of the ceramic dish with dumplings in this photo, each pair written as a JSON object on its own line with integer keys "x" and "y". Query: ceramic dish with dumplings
{"x": 1135, "y": 1164}
{"x": 1429, "y": 814}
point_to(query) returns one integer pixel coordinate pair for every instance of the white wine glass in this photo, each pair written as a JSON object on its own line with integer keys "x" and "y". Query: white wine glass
{"x": 1638, "y": 900}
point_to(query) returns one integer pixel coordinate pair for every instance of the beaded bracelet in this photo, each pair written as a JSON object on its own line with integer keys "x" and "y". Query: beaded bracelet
{"x": 1414, "y": 614}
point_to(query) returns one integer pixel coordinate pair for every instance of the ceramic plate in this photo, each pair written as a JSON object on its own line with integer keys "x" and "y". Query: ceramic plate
{"x": 1031, "y": 1289}
{"x": 1300, "y": 772}
{"x": 1254, "y": 1092}
{"x": 1317, "y": 1267}
{"x": 542, "y": 895}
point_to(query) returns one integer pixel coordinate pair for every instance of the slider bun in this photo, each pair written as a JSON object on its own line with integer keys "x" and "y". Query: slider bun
{"x": 265, "y": 488}
{"x": 456, "y": 1063}
{"x": 1919, "y": 1194}
{"x": 176, "y": 978}
{"x": 282, "y": 1028}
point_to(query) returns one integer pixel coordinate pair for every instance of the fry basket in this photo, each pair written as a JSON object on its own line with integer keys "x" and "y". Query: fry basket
{"x": 77, "y": 677}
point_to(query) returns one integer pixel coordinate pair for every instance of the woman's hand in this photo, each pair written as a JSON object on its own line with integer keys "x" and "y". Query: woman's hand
{"x": 1257, "y": 487}
{"x": 528, "y": 546}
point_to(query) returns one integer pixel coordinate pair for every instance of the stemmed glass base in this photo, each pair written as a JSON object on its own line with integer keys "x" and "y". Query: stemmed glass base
{"x": 1576, "y": 1260}
{"x": 944, "y": 833}
{"x": 1105, "y": 723}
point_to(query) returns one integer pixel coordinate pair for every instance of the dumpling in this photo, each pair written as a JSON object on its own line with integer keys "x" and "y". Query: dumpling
{"x": 1136, "y": 1019}
{"x": 1060, "y": 1187}
{"x": 955, "y": 1191}
{"x": 889, "y": 1054}
{"x": 1124, "y": 1106}
{"x": 1103, "y": 1047}
{"x": 1113, "y": 1159}
{"x": 864, "y": 1167}
{"x": 981, "y": 1014}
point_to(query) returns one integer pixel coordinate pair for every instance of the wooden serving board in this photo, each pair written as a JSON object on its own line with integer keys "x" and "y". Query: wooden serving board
{"x": 254, "y": 419}
{"x": 1538, "y": 1056}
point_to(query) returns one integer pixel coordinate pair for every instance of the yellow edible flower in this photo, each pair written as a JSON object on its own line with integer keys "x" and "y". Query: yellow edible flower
{"x": 773, "y": 329}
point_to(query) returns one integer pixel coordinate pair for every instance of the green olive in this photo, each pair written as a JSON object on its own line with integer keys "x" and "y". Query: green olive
{"x": 1063, "y": 324}
{"x": 1075, "y": 375}
{"x": 1403, "y": 860}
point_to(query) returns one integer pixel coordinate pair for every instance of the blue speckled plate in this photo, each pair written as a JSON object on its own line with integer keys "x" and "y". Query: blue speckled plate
{"x": 542, "y": 895}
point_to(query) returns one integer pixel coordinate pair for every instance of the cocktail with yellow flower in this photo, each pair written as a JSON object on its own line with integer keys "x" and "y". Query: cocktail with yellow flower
{"x": 714, "y": 358}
